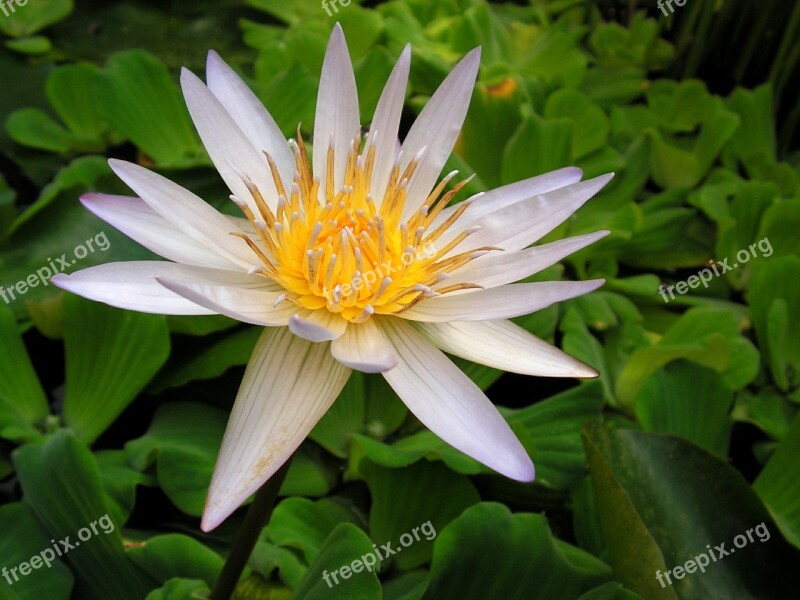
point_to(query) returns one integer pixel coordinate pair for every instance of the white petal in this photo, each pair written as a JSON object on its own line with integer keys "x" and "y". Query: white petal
{"x": 437, "y": 128}
{"x": 134, "y": 218}
{"x": 364, "y": 347}
{"x": 287, "y": 387}
{"x": 488, "y": 202}
{"x": 184, "y": 210}
{"x": 337, "y": 110}
{"x": 520, "y": 224}
{"x": 506, "y": 346}
{"x": 317, "y": 325}
{"x": 451, "y": 405}
{"x": 386, "y": 123}
{"x": 249, "y": 114}
{"x": 502, "y": 302}
{"x": 499, "y": 268}
{"x": 229, "y": 148}
{"x": 133, "y": 285}
{"x": 244, "y": 303}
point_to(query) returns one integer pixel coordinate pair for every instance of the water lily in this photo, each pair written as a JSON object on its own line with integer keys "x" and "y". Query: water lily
{"x": 352, "y": 258}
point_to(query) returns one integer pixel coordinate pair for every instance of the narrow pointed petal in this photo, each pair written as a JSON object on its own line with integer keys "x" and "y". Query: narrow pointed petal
{"x": 184, "y": 210}
{"x": 134, "y": 218}
{"x": 287, "y": 387}
{"x": 337, "y": 110}
{"x": 364, "y": 347}
{"x": 506, "y": 346}
{"x": 437, "y": 128}
{"x": 489, "y": 202}
{"x": 520, "y": 224}
{"x": 502, "y": 302}
{"x": 451, "y": 405}
{"x": 386, "y": 124}
{"x": 248, "y": 304}
{"x": 500, "y": 268}
{"x": 229, "y": 148}
{"x": 132, "y": 285}
{"x": 317, "y": 325}
{"x": 249, "y": 113}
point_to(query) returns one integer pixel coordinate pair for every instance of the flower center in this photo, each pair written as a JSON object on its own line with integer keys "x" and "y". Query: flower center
{"x": 347, "y": 253}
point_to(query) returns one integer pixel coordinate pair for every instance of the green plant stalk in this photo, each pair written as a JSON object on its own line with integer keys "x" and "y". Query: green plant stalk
{"x": 257, "y": 517}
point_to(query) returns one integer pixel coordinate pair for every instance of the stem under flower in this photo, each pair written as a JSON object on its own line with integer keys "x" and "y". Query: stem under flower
{"x": 256, "y": 519}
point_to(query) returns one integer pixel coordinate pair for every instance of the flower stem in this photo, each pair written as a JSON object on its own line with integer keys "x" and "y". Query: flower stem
{"x": 256, "y": 519}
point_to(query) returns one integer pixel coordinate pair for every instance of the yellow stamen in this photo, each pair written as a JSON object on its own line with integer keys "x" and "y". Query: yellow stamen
{"x": 345, "y": 252}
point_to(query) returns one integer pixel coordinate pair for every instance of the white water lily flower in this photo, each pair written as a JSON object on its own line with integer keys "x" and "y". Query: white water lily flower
{"x": 350, "y": 260}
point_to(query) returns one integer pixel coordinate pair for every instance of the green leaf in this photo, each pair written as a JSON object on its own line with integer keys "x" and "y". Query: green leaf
{"x": 24, "y": 17}
{"x": 23, "y": 538}
{"x": 347, "y": 547}
{"x": 138, "y": 97}
{"x": 609, "y": 591}
{"x": 708, "y": 337}
{"x": 290, "y": 97}
{"x": 108, "y": 362}
{"x": 304, "y": 524}
{"x": 22, "y": 400}
{"x": 384, "y": 411}
{"x": 778, "y": 225}
{"x": 775, "y": 304}
{"x": 181, "y": 589}
{"x": 119, "y": 482}
{"x": 312, "y": 473}
{"x": 767, "y": 409}
{"x": 579, "y": 342}
{"x": 538, "y": 146}
{"x": 690, "y": 401}
{"x": 208, "y": 360}
{"x": 490, "y": 553}
{"x": 643, "y": 483}
{"x": 300, "y": 10}
{"x": 267, "y": 557}
{"x": 555, "y": 57}
{"x": 182, "y": 441}
{"x": 408, "y": 586}
{"x": 554, "y": 426}
{"x": 344, "y": 418}
{"x": 165, "y": 557}
{"x": 71, "y": 90}
{"x": 551, "y": 431}
{"x": 492, "y": 119}
{"x": 590, "y": 125}
{"x": 57, "y": 234}
{"x": 754, "y": 142}
{"x": 35, "y": 128}
{"x": 411, "y": 504}
{"x": 36, "y": 44}
{"x": 779, "y": 484}
{"x": 62, "y": 486}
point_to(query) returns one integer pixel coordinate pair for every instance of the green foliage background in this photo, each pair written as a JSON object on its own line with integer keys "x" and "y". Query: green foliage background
{"x": 690, "y": 437}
